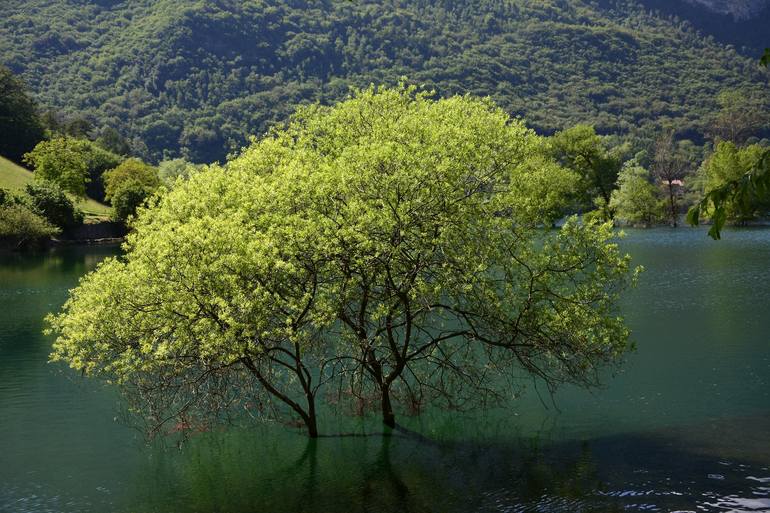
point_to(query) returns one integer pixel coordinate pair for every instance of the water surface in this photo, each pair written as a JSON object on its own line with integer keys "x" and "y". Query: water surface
{"x": 683, "y": 426}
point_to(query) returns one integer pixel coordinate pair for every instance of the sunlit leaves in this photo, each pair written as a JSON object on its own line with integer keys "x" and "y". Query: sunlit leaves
{"x": 738, "y": 183}
{"x": 390, "y": 243}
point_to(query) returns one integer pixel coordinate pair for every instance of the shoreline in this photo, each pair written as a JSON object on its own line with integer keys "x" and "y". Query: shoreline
{"x": 104, "y": 241}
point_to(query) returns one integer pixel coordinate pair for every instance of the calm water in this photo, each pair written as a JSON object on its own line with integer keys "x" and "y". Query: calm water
{"x": 685, "y": 426}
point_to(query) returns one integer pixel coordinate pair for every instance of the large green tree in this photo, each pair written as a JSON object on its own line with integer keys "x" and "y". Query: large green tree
{"x": 736, "y": 186}
{"x": 127, "y": 186}
{"x": 636, "y": 201}
{"x": 70, "y": 163}
{"x": 382, "y": 245}
{"x": 20, "y": 126}
{"x": 582, "y": 150}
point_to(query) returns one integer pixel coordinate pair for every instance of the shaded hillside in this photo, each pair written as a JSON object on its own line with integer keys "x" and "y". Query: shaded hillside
{"x": 196, "y": 78}
{"x": 744, "y": 24}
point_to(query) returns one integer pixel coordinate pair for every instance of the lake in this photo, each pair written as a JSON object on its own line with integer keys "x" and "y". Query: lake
{"x": 684, "y": 425}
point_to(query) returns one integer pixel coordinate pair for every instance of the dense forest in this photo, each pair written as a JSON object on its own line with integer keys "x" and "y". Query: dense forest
{"x": 196, "y": 79}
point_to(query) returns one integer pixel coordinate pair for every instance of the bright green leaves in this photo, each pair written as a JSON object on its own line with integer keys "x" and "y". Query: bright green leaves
{"x": 69, "y": 162}
{"x": 582, "y": 150}
{"x": 391, "y": 244}
{"x": 636, "y": 202}
{"x": 737, "y": 185}
{"x": 61, "y": 161}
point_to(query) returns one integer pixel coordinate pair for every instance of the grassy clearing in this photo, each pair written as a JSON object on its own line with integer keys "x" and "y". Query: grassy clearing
{"x": 14, "y": 177}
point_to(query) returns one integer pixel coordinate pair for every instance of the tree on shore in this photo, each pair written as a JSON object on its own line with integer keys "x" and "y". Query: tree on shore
{"x": 382, "y": 247}
{"x": 20, "y": 125}
{"x": 128, "y": 186}
{"x": 70, "y": 163}
{"x": 738, "y": 194}
{"x": 669, "y": 167}
{"x": 583, "y": 151}
{"x": 48, "y": 200}
{"x": 21, "y": 225}
{"x": 635, "y": 201}
{"x": 737, "y": 186}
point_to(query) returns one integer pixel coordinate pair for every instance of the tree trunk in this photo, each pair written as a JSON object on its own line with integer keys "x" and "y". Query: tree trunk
{"x": 388, "y": 418}
{"x": 310, "y": 421}
{"x": 672, "y": 201}
{"x": 312, "y": 426}
{"x": 308, "y": 417}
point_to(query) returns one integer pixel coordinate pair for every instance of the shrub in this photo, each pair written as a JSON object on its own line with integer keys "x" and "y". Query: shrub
{"x": 49, "y": 200}
{"x": 21, "y": 227}
{"x": 126, "y": 200}
{"x": 128, "y": 185}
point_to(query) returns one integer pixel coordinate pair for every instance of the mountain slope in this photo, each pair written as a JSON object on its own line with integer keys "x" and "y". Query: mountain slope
{"x": 197, "y": 77}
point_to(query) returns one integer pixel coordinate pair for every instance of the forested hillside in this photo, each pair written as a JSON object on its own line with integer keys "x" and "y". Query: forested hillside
{"x": 198, "y": 77}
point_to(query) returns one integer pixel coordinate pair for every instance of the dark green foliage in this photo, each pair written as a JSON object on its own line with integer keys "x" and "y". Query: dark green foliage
{"x": 21, "y": 227}
{"x": 20, "y": 126}
{"x": 113, "y": 142}
{"x": 129, "y": 185}
{"x": 99, "y": 161}
{"x": 740, "y": 116}
{"x": 580, "y": 148}
{"x": 76, "y": 165}
{"x": 197, "y": 78}
{"x": 128, "y": 200}
{"x": 48, "y": 200}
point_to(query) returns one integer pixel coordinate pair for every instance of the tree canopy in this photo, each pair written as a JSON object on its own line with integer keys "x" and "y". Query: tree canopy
{"x": 582, "y": 150}
{"x": 737, "y": 186}
{"x": 378, "y": 252}
{"x": 21, "y": 225}
{"x": 20, "y": 126}
{"x": 70, "y": 163}
{"x": 49, "y": 200}
{"x": 635, "y": 201}
{"x": 127, "y": 186}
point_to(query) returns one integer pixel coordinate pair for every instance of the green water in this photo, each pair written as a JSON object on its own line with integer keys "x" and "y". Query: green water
{"x": 684, "y": 426}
